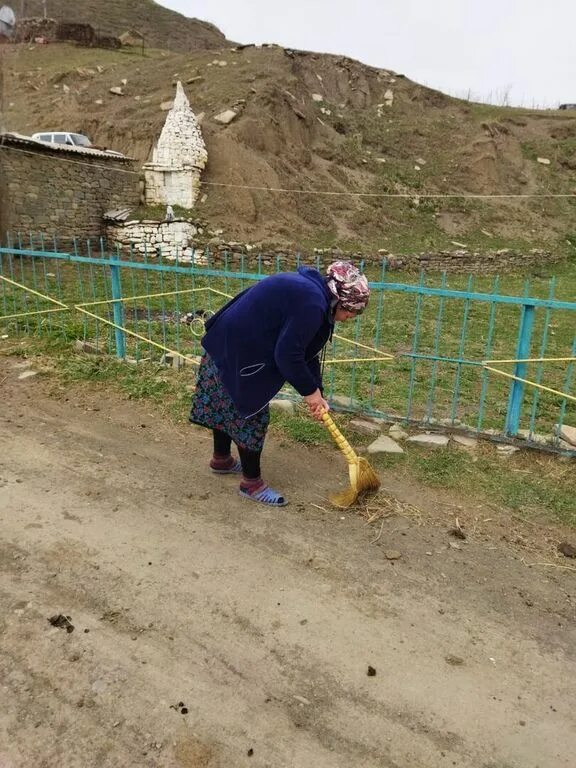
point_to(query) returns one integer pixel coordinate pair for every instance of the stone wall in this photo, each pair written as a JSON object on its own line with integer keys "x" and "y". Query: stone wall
{"x": 182, "y": 240}
{"x": 173, "y": 240}
{"x": 59, "y": 192}
{"x": 49, "y": 30}
{"x": 460, "y": 261}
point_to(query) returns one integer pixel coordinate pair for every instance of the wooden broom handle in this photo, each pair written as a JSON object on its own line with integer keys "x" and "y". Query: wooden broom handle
{"x": 339, "y": 438}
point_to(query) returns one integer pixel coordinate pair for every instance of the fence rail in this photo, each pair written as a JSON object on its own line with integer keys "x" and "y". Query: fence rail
{"x": 479, "y": 360}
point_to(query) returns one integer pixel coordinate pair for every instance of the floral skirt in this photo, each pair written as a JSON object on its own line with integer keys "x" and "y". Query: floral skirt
{"x": 212, "y": 407}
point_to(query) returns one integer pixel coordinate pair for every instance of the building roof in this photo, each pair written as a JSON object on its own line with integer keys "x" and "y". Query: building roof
{"x": 19, "y": 140}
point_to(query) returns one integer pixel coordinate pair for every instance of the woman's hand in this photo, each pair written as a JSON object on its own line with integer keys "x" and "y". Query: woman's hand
{"x": 316, "y": 404}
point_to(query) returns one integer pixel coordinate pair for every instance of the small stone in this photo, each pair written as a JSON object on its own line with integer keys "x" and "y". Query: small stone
{"x": 250, "y": 752}
{"x": 392, "y": 554}
{"x": 27, "y": 375}
{"x": 569, "y": 434}
{"x": 522, "y": 722}
{"x": 506, "y": 450}
{"x": 543, "y": 160}
{"x": 282, "y": 406}
{"x": 166, "y": 106}
{"x": 371, "y": 672}
{"x": 431, "y": 441}
{"x": 454, "y": 661}
{"x": 398, "y": 433}
{"x": 302, "y": 699}
{"x": 366, "y": 427}
{"x": 464, "y": 442}
{"x": 317, "y": 97}
{"x": 567, "y": 549}
{"x": 117, "y": 91}
{"x": 384, "y": 444}
{"x": 226, "y": 117}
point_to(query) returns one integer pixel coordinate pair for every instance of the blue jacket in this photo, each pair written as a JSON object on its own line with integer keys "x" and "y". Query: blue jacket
{"x": 270, "y": 334}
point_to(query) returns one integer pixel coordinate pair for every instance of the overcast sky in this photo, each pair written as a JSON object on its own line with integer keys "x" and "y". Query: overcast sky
{"x": 523, "y": 48}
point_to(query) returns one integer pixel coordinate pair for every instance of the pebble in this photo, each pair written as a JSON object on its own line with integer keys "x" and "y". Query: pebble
{"x": 392, "y": 554}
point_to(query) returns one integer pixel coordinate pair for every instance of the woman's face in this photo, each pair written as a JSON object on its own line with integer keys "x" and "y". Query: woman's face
{"x": 341, "y": 314}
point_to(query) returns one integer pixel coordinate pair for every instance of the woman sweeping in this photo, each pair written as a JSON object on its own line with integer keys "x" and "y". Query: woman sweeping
{"x": 270, "y": 334}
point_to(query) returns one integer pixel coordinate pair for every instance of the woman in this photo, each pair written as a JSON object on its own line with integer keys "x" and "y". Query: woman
{"x": 270, "y": 334}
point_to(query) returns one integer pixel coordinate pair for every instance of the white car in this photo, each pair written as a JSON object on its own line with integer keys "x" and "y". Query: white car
{"x": 70, "y": 139}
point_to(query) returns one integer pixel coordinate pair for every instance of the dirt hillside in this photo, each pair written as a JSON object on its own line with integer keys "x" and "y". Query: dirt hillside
{"x": 309, "y": 121}
{"x": 161, "y": 27}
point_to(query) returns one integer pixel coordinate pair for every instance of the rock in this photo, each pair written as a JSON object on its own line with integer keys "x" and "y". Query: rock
{"x": 569, "y": 434}
{"x": 384, "y": 444}
{"x": 62, "y": 622}
{"x": 225, "y": 118}
{"x": 124, "y": 81}
{"x": 454, "y": 661}
{"x": 196, "y": 79}
{"x": 543, "y": 160}
{"x": 389, "y": 98}
{"x": 317, "y": 97}
{"x": 567, "y": 549}
{"x": 27, "y": 375}
{"x": 117, "y": 91}
{"x": 464, "y": 442}
{"x": 302, "y": 699}
{"x": 371, "y": 672}
{"x": 506, "y": 450}
{"x": 366, "y": 427}
{"x": 431, "y": 441}
{"x": 66, "y": 88}
{"x": 397, "y": 433}
{"x": 86, "y": 346}
{"x": 345, "y": 401}
{"x": 166, "y": 106}
{"x": 283, "y": 406}
{"x": 99, "y": 102}
{"x": 392, "y": 554}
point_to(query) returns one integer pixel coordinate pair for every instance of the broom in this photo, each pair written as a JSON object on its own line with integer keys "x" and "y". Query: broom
{"x": 362, "y": 476}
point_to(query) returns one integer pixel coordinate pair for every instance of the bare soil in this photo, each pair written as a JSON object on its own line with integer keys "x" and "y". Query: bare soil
{"x": 261, "y": 623}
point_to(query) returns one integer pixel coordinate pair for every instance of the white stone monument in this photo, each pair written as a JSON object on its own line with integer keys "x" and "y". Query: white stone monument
{"x": 173, "y": 176}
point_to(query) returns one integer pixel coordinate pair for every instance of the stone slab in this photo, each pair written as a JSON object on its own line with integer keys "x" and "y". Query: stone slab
{"x": 384, "y": 444}
{"x": 431, "y": 441}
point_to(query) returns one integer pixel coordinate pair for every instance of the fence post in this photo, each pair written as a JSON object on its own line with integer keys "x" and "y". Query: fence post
{"x": 522, "y": 352}
{"x": 118, "y": 309}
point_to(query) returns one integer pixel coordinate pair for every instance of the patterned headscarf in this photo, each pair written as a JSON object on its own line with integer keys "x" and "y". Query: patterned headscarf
{"x": 348, "y": 286}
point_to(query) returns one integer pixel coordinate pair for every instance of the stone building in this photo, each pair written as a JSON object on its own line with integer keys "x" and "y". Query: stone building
{"x": 173, "y": 176}
{"x": 59, "y": 190}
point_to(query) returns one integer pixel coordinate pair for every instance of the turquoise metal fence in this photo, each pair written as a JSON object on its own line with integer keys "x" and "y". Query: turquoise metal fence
{"x": 439, "y": 329}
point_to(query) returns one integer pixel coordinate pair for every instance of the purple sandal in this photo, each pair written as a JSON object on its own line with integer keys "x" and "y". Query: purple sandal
{"x": 264, "y": 495}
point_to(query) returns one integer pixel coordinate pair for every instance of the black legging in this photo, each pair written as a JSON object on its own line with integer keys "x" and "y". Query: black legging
{"x": 250, "y": 460}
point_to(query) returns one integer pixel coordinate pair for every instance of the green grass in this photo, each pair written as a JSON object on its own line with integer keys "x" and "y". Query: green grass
{"x": 439, "y": 390}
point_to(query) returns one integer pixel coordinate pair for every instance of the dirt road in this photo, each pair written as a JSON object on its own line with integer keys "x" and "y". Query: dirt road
{"x": 261, "y": 623}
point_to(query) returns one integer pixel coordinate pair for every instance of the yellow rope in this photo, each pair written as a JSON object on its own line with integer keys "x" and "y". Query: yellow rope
{"x": 530, "y": 383}
{"x": 385, "y": 355}
{"x": 359, "y": 360}
{"x": 533, "y": 360}
{"x": 33, "y": 292}
{"x": 31, "y": 314}
{"x": 137, "y": 335}
{"x": 124, "y": 299}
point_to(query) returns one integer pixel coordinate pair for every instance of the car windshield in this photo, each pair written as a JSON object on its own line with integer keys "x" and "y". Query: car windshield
{"x": 80, "y": 141}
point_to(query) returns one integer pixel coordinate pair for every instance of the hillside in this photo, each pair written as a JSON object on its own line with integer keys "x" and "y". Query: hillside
{"x": 318, "y": 122}
{"x": 161, "y": 27}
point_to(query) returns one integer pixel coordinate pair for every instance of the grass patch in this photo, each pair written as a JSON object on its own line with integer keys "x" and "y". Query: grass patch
{"x": 535, "y": 486}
